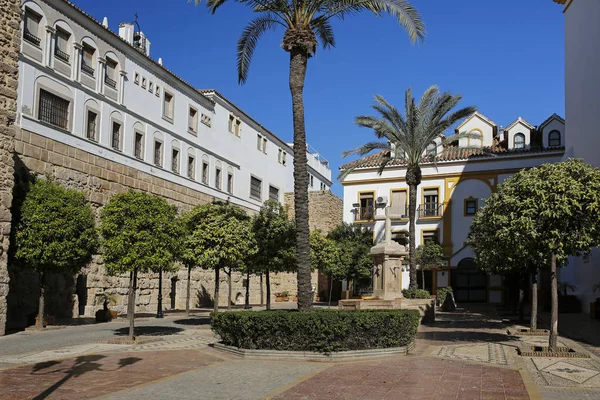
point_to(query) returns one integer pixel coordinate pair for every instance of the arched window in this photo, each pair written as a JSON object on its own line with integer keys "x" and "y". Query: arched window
{"x": 554, "y": 139}
{"x": 519, "y": 141}
{"x": 432, "y": 149}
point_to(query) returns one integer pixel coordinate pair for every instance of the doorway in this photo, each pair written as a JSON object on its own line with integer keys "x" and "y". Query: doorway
{"x": 173, "y": 293}
{"x": 468, "y": 284}
{"x": 81, "y": 290}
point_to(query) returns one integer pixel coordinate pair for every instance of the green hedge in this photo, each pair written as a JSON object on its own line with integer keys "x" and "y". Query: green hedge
{"x": 322, "y": 331}
{"x": 416, "y": 294}
{"x": 442, "y": 293}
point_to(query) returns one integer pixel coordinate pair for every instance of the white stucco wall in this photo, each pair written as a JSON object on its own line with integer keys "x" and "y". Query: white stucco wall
{"x": 518, "y": 127}
{"x": 476, "y": 125}
{"x": 553, "y": 125}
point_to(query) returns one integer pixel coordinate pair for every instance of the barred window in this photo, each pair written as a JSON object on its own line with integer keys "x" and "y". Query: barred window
{"x": 218, "y": 178}
{"x": 87, "y": 62}
{"x": 158, "y": 154}
{"x": 116, "y": 136}
{"x": 31, "y": 33}
{"x": 205, "y": 173}
{"x": 191, "y": 167}
{"x": 110, "y": 77}
{"x": 230, "y": 183}
{"x": 92, "y": 125}
{"x": 175, "y": 161}
{"x": 61, "y": 48}
{"x": 255, "y": 188}
{"x": 273, "y": 194}
{"x": 139, "y": 140}
{"x": 53, "y": 110}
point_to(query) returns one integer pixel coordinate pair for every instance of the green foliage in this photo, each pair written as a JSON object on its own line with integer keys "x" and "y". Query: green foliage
{"x": 554, "y": 208}
{"x": 430, "y": 255}
{"x": 325, "y": 255}
{"x": 140, "y": 232}
{"x": 416, "y": 294}
{"x": 354, "y": 243}
{"x": 218, "y": 235}
{"x": 322, "y": 331}
{"x": 275, "y": 240}
{"x": 441, "y": 294}
{"x": 57, "y": 230}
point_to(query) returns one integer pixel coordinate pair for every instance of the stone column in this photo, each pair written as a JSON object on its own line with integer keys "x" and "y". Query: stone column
{"x": 76, "y": 57}
{"x": 48, "y": 55}
{"x": 122, "y": 78}
{"x": 100, "y": 77}
{"x": 10, "y": 44}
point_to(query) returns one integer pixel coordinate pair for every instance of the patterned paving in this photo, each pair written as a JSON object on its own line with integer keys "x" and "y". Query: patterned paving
{"x": 491, "y": 353}
{"x": 560, "y": 372}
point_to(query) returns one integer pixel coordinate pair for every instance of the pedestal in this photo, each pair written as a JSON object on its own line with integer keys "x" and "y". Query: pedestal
{"x": 387, "y": 264}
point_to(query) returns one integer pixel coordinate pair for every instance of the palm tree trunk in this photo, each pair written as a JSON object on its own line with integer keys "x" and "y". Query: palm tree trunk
{"x": 298, "y": 61}
{"x": 554, "y": 313}
{"x": 131, "y": 303}
{"x": 423, "y": 277}
{"x": 187, "y": 296}
{"x": 41, "y": 306}
{"x": 268, "y": 284}
{"x": 534, "y": 301}
{"x": 216, "y": 296}
{"x": 412, "y": 212}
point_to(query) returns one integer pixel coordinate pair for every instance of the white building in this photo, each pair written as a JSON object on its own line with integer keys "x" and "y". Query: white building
{"x": 91, "y": 89}
{"x": 582, "y": 90}
{"x": 450, "y": 194}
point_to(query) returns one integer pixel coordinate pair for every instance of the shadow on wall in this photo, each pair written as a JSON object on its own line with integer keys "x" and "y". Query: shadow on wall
{"x": 23, "y": 295}
{"x": 203, "y": 298}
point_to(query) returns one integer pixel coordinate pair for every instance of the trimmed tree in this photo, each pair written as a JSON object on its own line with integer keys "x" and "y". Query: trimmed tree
{"x": 557, "y": 210}
{"x": 140, "y": 233}
{"x": 406, "y": 138}
{"x": 354, "y": 243}
{"x": 56, "y": 233}
{"x": 430, "y": 255}
{"x": 306, "y": 24}
{"x": 220, "y": 237}
{"x": 325, "y": 255}
{"x": 275, "y": 240}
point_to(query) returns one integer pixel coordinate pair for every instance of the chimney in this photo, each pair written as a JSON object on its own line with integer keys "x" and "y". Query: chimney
{"x": 126, "y": 32}
{"x": 105, "y": 22}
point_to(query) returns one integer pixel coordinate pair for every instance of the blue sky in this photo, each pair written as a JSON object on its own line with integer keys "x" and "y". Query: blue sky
{"x": 504, "y": 56}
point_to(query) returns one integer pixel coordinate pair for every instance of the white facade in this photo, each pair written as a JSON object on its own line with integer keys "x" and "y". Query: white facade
{"x": 119, "y": 104}
{"x": 582, "y": 90}
{"x": 448, "y": 197}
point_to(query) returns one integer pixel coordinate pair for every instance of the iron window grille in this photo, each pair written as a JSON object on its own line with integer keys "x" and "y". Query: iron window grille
{"x": 205, "y": 173}
{"x": 175, "y": 162}
{"x": 61, "y": 55}
{"x": 158, "y": 154}
{"x": 116, "y": 136}
{"x": 87, "y": 69}
{"x": 191, "y": 167}
{"x": 110, "y": 82}
{"x": 218, "y": 179}
{"x": 230, "y": 183}
{"x": 255, "y": 188}
{"x": 53, "y": 110}
{"x": 92, "y": 125}
{"x": 138, "y": 145}
{"x": 273, "y": 194}
{"x": 31, "y": 38}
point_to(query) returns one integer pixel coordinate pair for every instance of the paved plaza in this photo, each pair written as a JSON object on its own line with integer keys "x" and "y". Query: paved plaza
{"x": 464, "y": 355}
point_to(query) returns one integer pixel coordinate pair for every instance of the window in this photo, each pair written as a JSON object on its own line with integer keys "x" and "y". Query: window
{"x": 143, "y": 83}
{"x": 191, "y": 167}
{"x": 261, "y": 143}
{"x": 91, "y": 126}
{"x": 157, "y": 91}
{"x": 193, "y": 120}
{"x": 430, "y": 202}
{"x": 205, "y": 173}
{"x": 218, "y": 178}
{"x": 282, "y": 156}
{"x": 137, "y": 79}
{"x": 432, "y": 149}
{"x": 151, "y": 87}
{"x": 116, "y": 136}
{"x": 255, "y": 188}
{"x": 87, "y": 62}
{"x": 398, "y": 203}
{"x": 230, "y": 183}
{"x": 110, "y": 78}
{"x": 168, "y": 106}
{"x": 61, "y": 47}
{"x": 470, "y": 206}
{"x": 554, "y": 139}
{"x": 519, "y": 141}
{"x": 430, "y": 236}
{"x": 139, "y": 145}
{"x": 31, "y": 33}
{"x": 235, "y": 125}
{"x": 312, "y": 180}
{"x": 53, "y": 110}
{"x": 158, "y": 153}
{"x": 175, "y": 161}
{"x": 273, "y": 194}
{"x": 367, "y": 206}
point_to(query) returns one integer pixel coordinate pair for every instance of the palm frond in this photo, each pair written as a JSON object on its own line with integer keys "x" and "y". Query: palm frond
{"x": 248, "y": 41}
{"x": 324, "y": 31}
{"x": 367, "y": 148}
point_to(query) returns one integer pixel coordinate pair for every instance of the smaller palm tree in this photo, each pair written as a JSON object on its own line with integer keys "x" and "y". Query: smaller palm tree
{"x": 406, "y": 137}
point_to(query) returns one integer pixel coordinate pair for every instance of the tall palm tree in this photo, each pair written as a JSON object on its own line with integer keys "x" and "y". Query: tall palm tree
{"x": 406, "y": 138}
{"x": 306, "y": 23}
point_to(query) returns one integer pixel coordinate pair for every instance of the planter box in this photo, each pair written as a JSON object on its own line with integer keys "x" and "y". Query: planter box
{"x": 48, "y": 320}
{"x": 279, "y": 299}
{"x": 115, "y": 314}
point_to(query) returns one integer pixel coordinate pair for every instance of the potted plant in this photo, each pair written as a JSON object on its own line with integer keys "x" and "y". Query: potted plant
{"x": 279, "y": 297}
{"x": 106, "y": 314}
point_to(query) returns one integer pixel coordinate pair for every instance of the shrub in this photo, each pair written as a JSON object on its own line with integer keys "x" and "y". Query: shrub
{"x": 321, "y": 331}
{"x": 442, "y": 293}
{"x": 416, "y": 294}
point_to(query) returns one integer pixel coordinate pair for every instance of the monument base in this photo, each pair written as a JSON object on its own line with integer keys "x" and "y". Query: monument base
{"x": 426, "y": 307}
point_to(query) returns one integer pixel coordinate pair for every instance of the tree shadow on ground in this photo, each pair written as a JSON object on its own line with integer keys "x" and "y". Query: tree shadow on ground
{"x": 82, "y": 365}
{"x": 196, "y": 321}
{"x": 149, "y": 331}
{"x": 465, "y": 336}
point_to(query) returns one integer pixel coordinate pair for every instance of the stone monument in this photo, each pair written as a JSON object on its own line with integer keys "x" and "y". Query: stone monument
{"x": 387, "y": 264}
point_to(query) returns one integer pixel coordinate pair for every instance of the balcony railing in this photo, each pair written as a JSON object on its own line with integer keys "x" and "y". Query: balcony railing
{"x": 31, "y": 38}
{"x": 364, "y": 213}
{"x": 87, "y": 69}
{"x": 110, "y": 82}
{"x": 61, "y": 55}
{"x": 430, "y": 210}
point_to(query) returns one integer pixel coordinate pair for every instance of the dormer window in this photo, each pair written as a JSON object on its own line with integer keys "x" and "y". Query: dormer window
{"x": 432, "y": 150}
{"x": 519, "y": 141}
{"x": 31, "y": 33}
{"x": 61, "y": 49}
{"x": 554, "y": 139}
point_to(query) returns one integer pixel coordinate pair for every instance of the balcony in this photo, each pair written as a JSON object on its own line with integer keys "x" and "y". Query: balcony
{"x": 430, "y": 210}
{"x": 110, "y": 82}
{"x": 31, "y": 38}
{"x": 364, "y": 213}
{"x": 87, "y": 69}
{"x": 61, "y": 55}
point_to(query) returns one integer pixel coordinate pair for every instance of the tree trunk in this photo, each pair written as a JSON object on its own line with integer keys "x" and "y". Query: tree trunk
{"x": 229, "y": 289}
{"x": 131, "y": 303}
{"x": 247, "y": 301}
{"x": 534, "y": 300}
{"x": 522, "y": 297}
{"x": 268, "y": 284}
{"x": 41, "y": 306}
{"x": 330, "y": 289}
{"x": 298, "y": 61}
{"x": 188, "y": 292}
{"x": 423, "y": 277}
{"x": 262, "y": 291}
{"x": 554, "y": 313}
{"x": 216, "y": 297}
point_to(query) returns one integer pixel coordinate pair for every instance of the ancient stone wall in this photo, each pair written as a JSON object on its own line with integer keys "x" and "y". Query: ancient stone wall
{"x": 10, "y": 18}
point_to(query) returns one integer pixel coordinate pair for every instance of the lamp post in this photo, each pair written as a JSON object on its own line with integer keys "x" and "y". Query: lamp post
{"x": 159, "y": 311}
